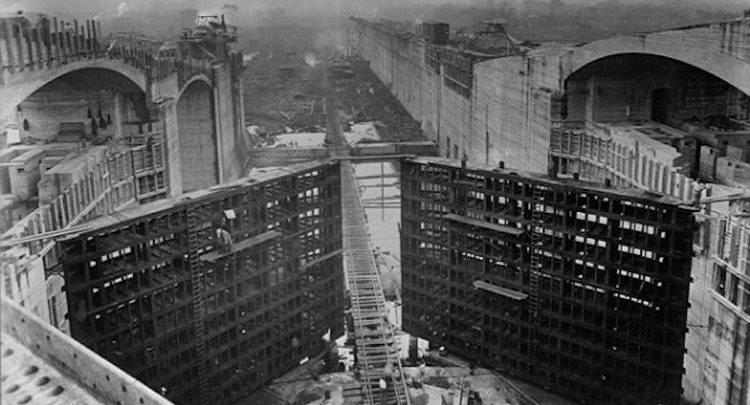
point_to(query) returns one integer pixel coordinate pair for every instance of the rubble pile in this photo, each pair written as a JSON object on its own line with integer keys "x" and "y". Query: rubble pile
{"x": 363, "y": 98}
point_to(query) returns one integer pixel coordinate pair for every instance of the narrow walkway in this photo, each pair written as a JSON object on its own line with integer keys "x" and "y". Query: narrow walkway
{"x": 377, "y": 353}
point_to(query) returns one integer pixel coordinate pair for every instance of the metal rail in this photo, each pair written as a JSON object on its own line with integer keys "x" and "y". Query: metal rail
{"x": 377, "y": 352}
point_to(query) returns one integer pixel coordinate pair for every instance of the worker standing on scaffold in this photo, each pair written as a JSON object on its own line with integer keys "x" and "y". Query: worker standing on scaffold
{"x": 223, "y": 237}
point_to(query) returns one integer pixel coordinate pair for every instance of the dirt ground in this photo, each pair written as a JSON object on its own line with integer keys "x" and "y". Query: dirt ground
{"x": 428, "y": 386}
{"x": 289, "y": 71}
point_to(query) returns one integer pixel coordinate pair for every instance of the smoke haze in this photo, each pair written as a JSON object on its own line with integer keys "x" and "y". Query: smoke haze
{"x": 534, "y": 20}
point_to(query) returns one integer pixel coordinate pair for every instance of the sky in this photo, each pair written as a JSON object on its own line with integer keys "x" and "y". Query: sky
{"x": 90, "y": 8}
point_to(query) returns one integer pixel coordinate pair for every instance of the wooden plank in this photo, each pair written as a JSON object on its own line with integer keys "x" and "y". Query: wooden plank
{"x": 496, "y": 289}
{"x": 483, "y": 224}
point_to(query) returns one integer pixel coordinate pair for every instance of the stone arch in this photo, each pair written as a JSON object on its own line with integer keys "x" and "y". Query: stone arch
{"x": 615, "y": 86}
{"x": 22, "y": 85}
{"x": 77, "y": 97}
{"x": 197, "y": 136}
{"x": 686, "y": 48}
{"x": 198, "y": 77}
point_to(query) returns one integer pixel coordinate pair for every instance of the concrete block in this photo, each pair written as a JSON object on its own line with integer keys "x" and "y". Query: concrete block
{"x": 731, "y": 171}
{"x": 24, "y": 173}
{"x": 70, "y": 170}
{"x": 707, "y": 162}
{"x": 738, "y": 153}
{"x": 5, "y": 157}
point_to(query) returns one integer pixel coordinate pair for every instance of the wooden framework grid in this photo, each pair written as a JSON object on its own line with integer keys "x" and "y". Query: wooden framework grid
{"x": 580, "y": 289}
{"x": 157, "y": 296}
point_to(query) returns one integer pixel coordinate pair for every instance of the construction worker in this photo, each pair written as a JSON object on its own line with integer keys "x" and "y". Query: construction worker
{"x": 223, "y": 237}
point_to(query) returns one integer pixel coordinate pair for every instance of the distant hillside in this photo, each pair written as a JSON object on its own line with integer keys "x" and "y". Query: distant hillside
{"x": 531, "y": 20}
{"x": 535, "y": 20}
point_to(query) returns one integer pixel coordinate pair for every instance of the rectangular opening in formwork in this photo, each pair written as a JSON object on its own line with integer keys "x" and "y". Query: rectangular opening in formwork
{"x": 575, "y": 287}
{"x": 208, "y": 296}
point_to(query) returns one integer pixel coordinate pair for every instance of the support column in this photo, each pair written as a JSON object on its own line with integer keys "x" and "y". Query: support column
{"x": 76, "y": 39}
{"x": 216, "y": 116}
{"x": 41, "y": 53}
{"x": 55, "y": 41}
{"x": 88, "y": 37}
{"x": 47, "y": 43}
{"x": 168, "y": 115}
{"x": 95, "y": 36}
{"x": 20, "y": 57}
{"x": 118, "y": 115}
{"x": 28, "y": 62}
{"x": 58, "y": 42}
{"x": 6, "y": 50}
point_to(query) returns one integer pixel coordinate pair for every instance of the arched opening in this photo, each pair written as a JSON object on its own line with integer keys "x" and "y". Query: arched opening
{"x": 197, "y": 138}
{"x": 642, "y": 87}
{"x": 654, "y": 122}
{"x": 86, "y": 104}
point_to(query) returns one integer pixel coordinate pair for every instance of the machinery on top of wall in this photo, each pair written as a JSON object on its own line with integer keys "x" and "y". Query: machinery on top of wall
{"x": 458, "y": 54}
{"x": 211, "y": 27}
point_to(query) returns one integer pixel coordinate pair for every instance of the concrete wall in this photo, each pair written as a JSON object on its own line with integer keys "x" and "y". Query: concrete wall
{"x": 506, "y": 117}
{"x": 513, "y": 104}
{"x": 168, "y": 118}
{"x": 58, "y": 303}
{"x": 733, "y": 172}
{"x": 12, "y": 210}
{"x": 197, "y": 137}
{"x": 6, "y": 156}
{"x": 62, "y": 177}
{"x": 45, "y": 110}
{"x": 23, "y": 281}
{"x": 717, "y": 361}
{"x": 609, "y": 96}
{"x": 725, "y": 353}
{"x": 226, "y": 96}
{"x": 696, "y": 338}
{"x": 25, "y": 174}
{"x": 206, "y": 142}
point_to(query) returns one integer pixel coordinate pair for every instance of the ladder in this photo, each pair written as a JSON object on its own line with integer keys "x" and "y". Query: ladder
{"x": 377, "y": 350}
{"x": 534, "y": 272}
{"x": 195, "y": 238}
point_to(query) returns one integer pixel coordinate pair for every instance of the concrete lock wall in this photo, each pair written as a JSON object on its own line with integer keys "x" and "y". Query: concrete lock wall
{"x": 204, "y": 130}
{"x": 197, "y": 137}
{"x": 506, "y": 116}
{"x": 225, "y": 102}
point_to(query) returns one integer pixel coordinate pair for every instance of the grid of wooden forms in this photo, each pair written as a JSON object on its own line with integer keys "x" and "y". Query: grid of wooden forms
{"x": 207, "y": 325}
{"x": 582, "y": 290}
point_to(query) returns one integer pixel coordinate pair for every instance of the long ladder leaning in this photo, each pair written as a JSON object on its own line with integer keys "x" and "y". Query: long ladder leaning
{"x": 377, "y": 352}
{"x": 536, "y": 232}
{"x": 196, "y": 232}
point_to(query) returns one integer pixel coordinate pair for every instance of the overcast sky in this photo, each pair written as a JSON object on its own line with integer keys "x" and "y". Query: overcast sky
{"x": 85, "y": 8}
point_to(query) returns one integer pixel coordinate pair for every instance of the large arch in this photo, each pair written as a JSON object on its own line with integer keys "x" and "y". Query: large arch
{"x": 19, "y": 86}
{"x": 643, "y": 86}
{"x": 198, "y": 77}
{"x": 116, "y": 102}
{"x": 707, "y": 53}
{"x": 197, "y": 136}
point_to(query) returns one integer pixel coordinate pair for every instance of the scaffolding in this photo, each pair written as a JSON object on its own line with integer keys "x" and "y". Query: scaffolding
{"x": 377, "y": 352}
{"x": 376, "y": 348}
{"x": 578, "y": 288}
{"x": 155, "y": 291}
